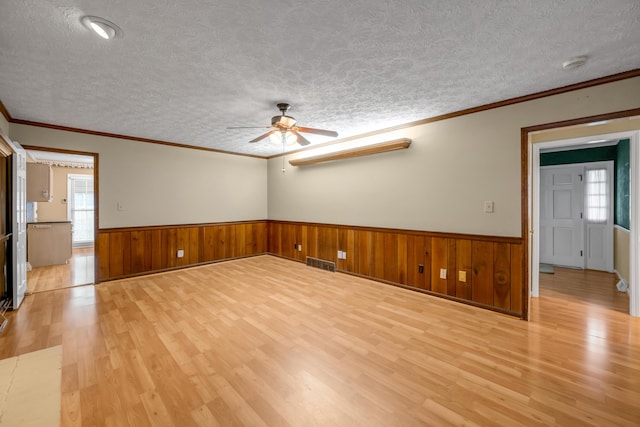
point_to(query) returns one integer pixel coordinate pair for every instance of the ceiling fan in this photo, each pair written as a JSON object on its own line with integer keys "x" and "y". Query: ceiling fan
{"x": 284, "y": 129}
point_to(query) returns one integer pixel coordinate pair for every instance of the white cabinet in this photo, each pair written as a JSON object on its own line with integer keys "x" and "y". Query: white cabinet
{"x": 48, "y": 243}
{"x": 39, "y": 183}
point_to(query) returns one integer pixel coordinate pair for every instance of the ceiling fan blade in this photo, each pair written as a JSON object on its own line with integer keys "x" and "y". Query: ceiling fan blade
{"x": 301, "y": 139}
{"x": 324, "y": 132}
{"x": 248, "y": 127}
{"x": 261, "y": 137}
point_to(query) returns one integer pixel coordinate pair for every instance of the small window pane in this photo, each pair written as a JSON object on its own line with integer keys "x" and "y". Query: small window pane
{"x": 81, "y": 200}
{"x": 597, "y": 197}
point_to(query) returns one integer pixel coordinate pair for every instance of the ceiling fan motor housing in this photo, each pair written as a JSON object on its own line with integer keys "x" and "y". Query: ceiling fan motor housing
{"x": 283, "y": 121}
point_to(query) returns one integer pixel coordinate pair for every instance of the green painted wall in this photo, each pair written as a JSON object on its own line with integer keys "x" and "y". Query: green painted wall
{"x": 586, "y": 155}
{"x": 619, "y": 154}
{"x": 622, "y": 207}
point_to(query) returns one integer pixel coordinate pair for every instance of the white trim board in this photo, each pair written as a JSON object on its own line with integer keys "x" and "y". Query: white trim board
{"x": 534, "y": 214}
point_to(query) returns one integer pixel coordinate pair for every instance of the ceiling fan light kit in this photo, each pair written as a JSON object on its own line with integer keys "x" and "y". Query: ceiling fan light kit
{"x": 289, "y": 137}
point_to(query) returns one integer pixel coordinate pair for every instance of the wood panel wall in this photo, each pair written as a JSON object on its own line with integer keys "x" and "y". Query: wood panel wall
{"x": 124, "y": 252}
{"x": 492, "y": 267}
{"x": 482, "y": 270}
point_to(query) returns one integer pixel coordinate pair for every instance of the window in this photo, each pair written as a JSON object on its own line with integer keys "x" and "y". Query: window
{"x": 597, "y": 197}
{"x": 81, "y": 208}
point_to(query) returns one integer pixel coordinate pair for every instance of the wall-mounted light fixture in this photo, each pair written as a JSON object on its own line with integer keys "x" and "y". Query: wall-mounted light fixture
{"x": 382, "y": 147}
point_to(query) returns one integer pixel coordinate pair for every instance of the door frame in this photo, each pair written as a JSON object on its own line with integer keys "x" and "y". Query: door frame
{"x": 533, "y": 178}
{"x": 96, "y": 219}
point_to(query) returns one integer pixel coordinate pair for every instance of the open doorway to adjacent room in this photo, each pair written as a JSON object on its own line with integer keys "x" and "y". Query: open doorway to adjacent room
{"x": 61, "y": 219}
{"x": 584, "y": 236}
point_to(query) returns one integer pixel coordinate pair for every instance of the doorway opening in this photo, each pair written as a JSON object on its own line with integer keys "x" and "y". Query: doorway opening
{"x": 626, "y": 253}
{"x": 61, "y": 219}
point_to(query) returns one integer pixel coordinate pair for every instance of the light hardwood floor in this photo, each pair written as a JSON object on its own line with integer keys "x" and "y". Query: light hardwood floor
{"x": 79, "y": 271}
{"x": 266, "y": 341}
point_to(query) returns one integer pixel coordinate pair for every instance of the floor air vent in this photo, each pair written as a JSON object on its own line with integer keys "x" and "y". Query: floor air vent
{"x": 320, "y": 263}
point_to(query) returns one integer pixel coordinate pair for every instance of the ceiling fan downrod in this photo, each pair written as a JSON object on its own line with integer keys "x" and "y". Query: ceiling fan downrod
{"x": 283, "y": 107}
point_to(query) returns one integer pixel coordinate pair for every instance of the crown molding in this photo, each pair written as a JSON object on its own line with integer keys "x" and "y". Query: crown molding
{"x": 5, "y": 112}
{"x": 127, "y": 137}
{"x": 517, "y": 100}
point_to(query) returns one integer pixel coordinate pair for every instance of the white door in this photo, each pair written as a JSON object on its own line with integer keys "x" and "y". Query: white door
{"x": 19, "y": 191}
{"x": 599, "y": 215}
{"x": 561, "y": 222}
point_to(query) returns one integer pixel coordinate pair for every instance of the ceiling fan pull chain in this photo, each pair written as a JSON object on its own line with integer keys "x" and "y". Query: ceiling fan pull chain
{"x": 284, "y": 146}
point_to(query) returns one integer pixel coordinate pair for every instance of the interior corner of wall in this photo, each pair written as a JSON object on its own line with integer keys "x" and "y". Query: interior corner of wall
{"x": 5, "y": 126}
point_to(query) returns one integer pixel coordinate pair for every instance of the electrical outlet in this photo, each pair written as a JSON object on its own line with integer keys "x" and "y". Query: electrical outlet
{"x": 443, "y": 273}
{"x": 488, "y": 206}
{"x": 421, "y": 268}
{"x": 180, "y": 253}
{"x": 120, "y": 206}
{"x": 299, "y": 248}
{"x": 462, "y": 276}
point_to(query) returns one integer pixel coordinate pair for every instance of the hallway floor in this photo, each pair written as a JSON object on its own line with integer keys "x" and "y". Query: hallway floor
{"x": 79, "y": 271}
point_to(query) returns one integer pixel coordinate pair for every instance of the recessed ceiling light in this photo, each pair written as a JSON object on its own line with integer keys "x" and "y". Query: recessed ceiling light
{"x": 575, "y": 62}
{"x": 105, "y": 29}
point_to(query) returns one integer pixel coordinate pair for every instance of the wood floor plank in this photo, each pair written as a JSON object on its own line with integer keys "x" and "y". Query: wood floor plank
{"x": 267, "y": 341}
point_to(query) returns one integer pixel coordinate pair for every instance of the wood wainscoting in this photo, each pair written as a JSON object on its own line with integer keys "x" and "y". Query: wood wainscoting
{"x": 132, "y": 251}
{"x": 485, "y": 271}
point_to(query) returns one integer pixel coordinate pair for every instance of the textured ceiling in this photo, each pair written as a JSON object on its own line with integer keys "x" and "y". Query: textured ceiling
{"x": 184, "y": 70}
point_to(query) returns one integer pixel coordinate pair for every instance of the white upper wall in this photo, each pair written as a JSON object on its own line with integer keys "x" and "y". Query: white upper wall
{"x": 441, "y": 181}
{"x": 163, "y": 185}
